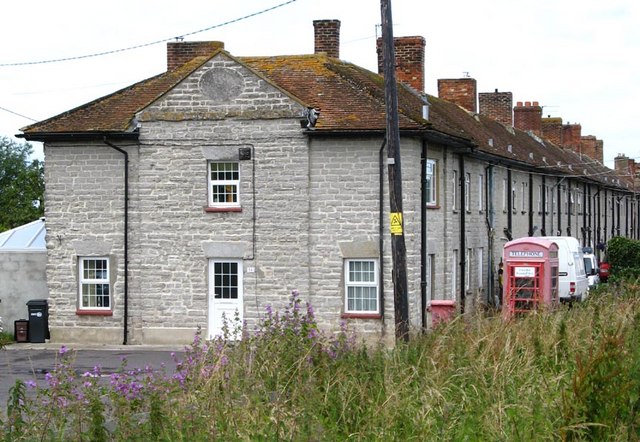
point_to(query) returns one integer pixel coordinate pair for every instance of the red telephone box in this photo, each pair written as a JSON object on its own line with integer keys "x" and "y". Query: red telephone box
{"x": 530, "y": 275}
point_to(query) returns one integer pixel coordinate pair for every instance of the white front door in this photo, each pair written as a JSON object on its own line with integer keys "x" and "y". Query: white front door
{"x": 225, "y": 298}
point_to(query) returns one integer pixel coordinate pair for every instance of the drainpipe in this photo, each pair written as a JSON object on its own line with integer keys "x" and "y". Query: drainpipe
{"x": 489, "y": 219}
{"x": 531, "y": 231}
{"x": 510, "y": 204}
{"x": 606, "y": 216}
{"x": 543, "y": 230}
{"x": 558, "y": 201}
{"x": 126, "y": 237}
{"x": 381, "y": 164}
{"x": 423, "y": 236}
{"x": 569, "y": 208}
{"x": 463, "y": 246}
{"x": 586, "y": 199}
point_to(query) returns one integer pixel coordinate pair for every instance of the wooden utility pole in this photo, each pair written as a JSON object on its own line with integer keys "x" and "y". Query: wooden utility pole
{"x": 398, "y": 247}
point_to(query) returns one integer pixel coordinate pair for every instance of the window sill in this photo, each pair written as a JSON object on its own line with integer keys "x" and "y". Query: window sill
{"x": 94, "y": 312}
{"x": 361, "y": 316}
{"x": 208, "y": 209}
{"x": 433, "y": 206}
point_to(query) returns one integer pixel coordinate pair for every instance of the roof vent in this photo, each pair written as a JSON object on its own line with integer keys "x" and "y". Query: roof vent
{"x": 531, "y": 155}
{"x": 510, "y": 148}
{"x": 490, "y": 142}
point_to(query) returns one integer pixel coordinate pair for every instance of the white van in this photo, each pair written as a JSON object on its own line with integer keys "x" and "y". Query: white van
{"x": 591, "y": 267}
{"x": 572, "y": 277}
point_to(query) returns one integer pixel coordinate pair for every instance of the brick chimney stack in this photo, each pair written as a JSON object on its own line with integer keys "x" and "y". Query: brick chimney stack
{"x": 409, "y": 60}
{"x": 497, "y": 105}
{"x": 180, "y": 52}
{"x": 461, "y": 91}
{"x": 552, "y": 130}
{"x": 327, "y": 37}
{"x": 528, "y": 117}
{"x": 600, "y": 151}
{"x": 624, "y": 165}
{"x": 588, "y": 146}
{"x": 592, "y": 147}
{"x": 572, "y": 137}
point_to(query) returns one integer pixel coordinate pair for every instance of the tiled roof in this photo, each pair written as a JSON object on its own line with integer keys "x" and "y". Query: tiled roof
{"x": 114, "y": 112}
{"x": 350, "y": 99}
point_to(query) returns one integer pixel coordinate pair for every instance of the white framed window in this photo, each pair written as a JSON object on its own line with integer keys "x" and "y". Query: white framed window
{"x": 524, "y": 197}
{"x": 467, "y": 192}
{"x": 224, "y": 184}
{"x": 565, "y": 199}
{"x": 95, "y": 288}
{"x": 539, "y": 198}
{"x": 546, "y": 199}
{"x": 467, "y": 267}
{"x": 361, "y": 286}
{"x": 454, "y": 275}
{"x": 579, "y": 202}
{"x": 431, "y": 274}
{"x": 455, "y": 190}
{"x": 480, "y": 193}
{"x": 505, "y": 194}
{"x": 479, "y": 266}
{"x": 514, "y": 197}
{"x": 431, "y": 184}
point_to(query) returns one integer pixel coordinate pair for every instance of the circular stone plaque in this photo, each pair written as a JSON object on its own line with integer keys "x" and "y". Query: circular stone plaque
{"x": 221, "y": 84}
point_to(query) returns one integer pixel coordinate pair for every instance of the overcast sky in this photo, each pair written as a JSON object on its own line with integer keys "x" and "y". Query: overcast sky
{"x": 580, "y": 59}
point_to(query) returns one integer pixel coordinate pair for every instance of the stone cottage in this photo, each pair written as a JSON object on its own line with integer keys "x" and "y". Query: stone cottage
{"x": 223, "y": 184}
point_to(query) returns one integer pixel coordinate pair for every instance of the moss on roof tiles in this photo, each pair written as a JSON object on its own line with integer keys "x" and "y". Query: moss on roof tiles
{"x": 115, "y": 112}
{"x": 349, "y": 97}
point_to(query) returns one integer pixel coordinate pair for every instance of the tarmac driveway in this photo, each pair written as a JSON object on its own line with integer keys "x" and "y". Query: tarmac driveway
{"x": 33, "y": 361}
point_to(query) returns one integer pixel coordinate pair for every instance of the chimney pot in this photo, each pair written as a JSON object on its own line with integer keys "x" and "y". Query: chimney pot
{"x": 519, "y": 103}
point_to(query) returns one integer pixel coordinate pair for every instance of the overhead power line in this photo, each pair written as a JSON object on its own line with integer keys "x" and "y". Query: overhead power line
{"x": 16, "y": 113}
{"x": 144, "y": 45}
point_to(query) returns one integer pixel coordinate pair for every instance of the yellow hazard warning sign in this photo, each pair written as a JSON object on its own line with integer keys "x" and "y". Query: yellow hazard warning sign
{"x": 396, "y": 223}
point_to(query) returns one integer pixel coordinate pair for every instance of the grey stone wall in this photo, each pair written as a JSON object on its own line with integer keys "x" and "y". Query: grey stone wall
{"x": 22, "y": 278}
{"x": 85, "y": 217}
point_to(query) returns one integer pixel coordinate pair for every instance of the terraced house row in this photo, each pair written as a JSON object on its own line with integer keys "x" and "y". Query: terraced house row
{"x": 227, "y": 182}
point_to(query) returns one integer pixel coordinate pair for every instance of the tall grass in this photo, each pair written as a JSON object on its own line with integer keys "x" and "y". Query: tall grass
{"x": 571, "y": 374}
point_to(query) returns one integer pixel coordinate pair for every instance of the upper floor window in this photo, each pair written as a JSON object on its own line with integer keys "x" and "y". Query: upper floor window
{"x": 523, "y": 197}
{"x": 224, "y": 184}
{"x": 505, "y": 194}
{"x": 455, "y": 190}
{"x": 539, "y": 198}
{"x": 467, "y": 192}
{"x": 431, "y": 188}
{"x": 480, "y": 193}
{"x": 95, "y": 288}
